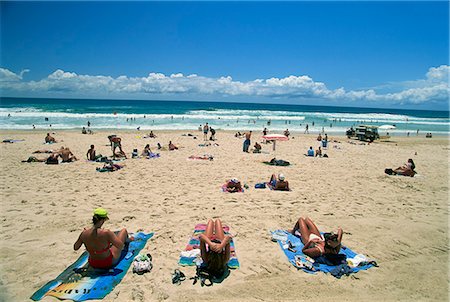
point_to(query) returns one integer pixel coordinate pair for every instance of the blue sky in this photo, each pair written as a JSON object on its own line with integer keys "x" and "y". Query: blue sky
{"x": 376, "y": 54}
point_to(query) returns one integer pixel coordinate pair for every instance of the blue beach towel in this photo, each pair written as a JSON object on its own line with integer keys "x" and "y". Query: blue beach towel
{"x": 78, "y": 283}
{"x": 298, "y": 246}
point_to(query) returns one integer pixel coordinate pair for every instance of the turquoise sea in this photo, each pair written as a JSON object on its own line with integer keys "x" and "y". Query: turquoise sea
{"x": 23, "y": 113}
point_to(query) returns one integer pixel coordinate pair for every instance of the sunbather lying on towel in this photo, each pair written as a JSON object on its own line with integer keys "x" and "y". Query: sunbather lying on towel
{"x": 33, "y": 159}
{"x": 233, "y": 185}
{"x": 277, "y": 162}
{"x": 405, "y": 170}
{"x": 280, "y": 184}
{"x": 110, "y": 167}
{"x": 104, "y": 246}
{"x": 215, "y": 248}
{"x": 317, "y": 245}
{"x": 204, "y": 157}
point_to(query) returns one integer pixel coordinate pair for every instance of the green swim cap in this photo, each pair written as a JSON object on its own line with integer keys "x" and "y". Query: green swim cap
{"x": 101, "y": 212}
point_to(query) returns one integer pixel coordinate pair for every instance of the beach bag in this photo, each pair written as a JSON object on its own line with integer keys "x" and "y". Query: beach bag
{"x": 261, "y": 185}
{"x": 142, "y": 264}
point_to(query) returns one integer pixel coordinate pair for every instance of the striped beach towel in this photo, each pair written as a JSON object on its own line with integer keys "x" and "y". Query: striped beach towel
{"x": 194, "y": 243}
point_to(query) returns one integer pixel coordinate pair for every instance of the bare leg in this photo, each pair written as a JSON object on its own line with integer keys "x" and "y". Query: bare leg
{"x": 123, "y": 236}
{"x": 219, "y": 230}
{"x": 312, "y": 227}
{"x": 209, "y": 232}
{"x": 303, "y": 229}
{"x": 273, "y": 177}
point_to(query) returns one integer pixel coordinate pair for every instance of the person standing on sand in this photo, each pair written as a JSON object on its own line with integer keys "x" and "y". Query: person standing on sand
{"x": 116, "y": 142}
{"x": 247, "y": 141}
{"x": 205, "y": 132}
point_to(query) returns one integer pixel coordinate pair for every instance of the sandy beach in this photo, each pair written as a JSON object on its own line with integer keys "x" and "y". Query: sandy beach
{"x": 401, "y": 222}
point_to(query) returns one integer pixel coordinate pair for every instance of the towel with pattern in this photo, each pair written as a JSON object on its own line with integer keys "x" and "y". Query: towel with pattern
{"x": 80, "y": 282}
{"x": 189, "y": 258}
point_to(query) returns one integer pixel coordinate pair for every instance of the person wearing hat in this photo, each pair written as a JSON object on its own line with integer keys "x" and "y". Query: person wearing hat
{"x": 234, "y": 185}
{"x": 104, "y": 246}
{"x": 280, "y": 184}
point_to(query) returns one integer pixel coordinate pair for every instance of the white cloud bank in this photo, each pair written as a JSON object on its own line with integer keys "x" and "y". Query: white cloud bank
{"x": 433, "y": 88}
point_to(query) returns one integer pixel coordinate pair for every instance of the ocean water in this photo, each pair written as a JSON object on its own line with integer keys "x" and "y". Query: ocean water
{"x": 23, "y": 113}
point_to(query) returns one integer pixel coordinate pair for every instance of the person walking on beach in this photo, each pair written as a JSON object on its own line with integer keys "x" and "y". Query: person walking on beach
{"x": 104, "y": 247}
{"x": 205, "y": 132}
{"x": 307, "y": 129}
{"x": 247, "y": 141}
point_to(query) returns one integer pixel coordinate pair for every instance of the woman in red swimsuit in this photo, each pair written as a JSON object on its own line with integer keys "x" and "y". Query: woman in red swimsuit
{"x": 104, "y": 246}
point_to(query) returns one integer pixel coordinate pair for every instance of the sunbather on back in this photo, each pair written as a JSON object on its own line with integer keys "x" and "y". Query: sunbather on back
{"x": 317, "y": 245}
{"x": 104, "y": 246}
{"x": 215, "y": 248}
{"x": 280, "y": 184}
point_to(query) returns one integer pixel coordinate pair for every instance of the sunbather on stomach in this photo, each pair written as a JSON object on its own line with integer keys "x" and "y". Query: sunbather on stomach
{"x": 233, "y": 185}
{"x": 315, "y": 244}
{"x": 104, "y": 246}
{"x": 215, "y": 248}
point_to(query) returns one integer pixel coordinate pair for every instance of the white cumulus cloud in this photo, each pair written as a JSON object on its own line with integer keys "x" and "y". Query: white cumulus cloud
{"x": 433, "y": 87}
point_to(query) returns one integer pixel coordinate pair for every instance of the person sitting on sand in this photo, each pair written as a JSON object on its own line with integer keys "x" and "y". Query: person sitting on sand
{"x": 90, "y": 154}
{"x": 319, "y": 138}
{"x": 147, "y": 151}
{"x": 280, "y": 184}
{"x": 317, "y": 245}
{"x": 67, "y": 155}
{"x": 319, "y": 152}
{"x": 104, "y": 247}
{"x": 287, "y": 133}
{"x": 233, "y": 185}
{"x": 172, "y": 146}
{"x": 50, "y": 139}
{"x": 215, "y": 248}
{"x": 151, "y": 135}
{"x": 257, "y": 148}
{"x": 405, "y": 170}
{"x": 310, "y": 152}
{"x": 84, "y": 131}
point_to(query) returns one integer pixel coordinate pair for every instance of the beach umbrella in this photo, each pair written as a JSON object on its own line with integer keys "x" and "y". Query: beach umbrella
{"x": 275, "y": 138}
{"x": 387, "y": 127}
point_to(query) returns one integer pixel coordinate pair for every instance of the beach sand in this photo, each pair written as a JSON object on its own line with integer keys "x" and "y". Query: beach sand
{"x": 401, "y": 222}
